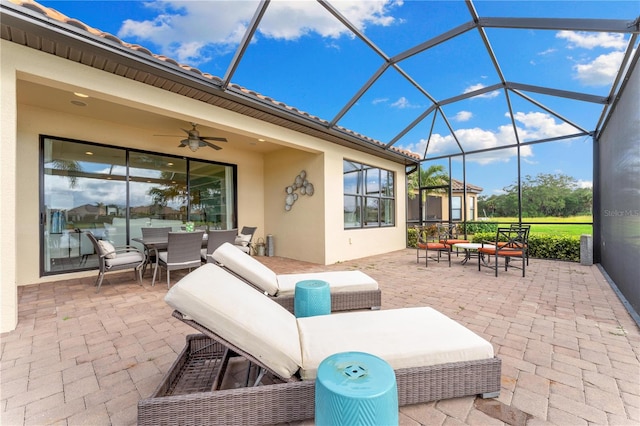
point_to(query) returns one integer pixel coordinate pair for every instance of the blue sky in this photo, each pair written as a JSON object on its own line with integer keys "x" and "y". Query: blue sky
{"x": 303, "y": 57}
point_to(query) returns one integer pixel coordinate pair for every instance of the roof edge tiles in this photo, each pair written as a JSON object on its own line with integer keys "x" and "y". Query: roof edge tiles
{"x": 408, "y": 157}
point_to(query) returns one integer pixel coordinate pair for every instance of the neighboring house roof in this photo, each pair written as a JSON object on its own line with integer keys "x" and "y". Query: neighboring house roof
{"x": 45, "y": 29}
{"x": 456, "y": 186}
{"x": 87, "y": 209}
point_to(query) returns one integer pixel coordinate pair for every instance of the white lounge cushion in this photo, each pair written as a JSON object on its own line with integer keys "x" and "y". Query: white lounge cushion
{"x": 247, "y": 267}
{"x": 339, "y": 281}
{"x": 405, "y": 338}
{"x": 229, "y": 307}
{"x": 255, "y": 272}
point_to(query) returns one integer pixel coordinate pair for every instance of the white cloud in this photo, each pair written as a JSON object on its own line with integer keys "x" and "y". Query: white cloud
{"x": 379, "y": 101}
{"x": 547, "y": 52}
{"x": 584, "y": 184}
{"x": 185, "y": 30}
{"x": 538, "y": 125}
{"x": 534, "y": 125}
{"x": 475, "y": 139}
{"x": 601, "y": 71}
{"x": 403, "y": 103}
{"x": 593, "y": 40}
{"x": 479, "y": 86}
{"x": 463, "y": 116}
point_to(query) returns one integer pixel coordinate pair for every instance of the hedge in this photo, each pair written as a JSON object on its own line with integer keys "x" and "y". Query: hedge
{"x": 545, "y": 246}
{"x": 540, "y": 246}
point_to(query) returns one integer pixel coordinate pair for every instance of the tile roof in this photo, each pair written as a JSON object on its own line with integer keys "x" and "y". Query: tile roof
{"x": 456, "y": 185}
{"x": 214, "y": 80}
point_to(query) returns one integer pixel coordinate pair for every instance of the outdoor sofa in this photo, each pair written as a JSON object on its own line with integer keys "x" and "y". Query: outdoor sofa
{"x": 350, "y": 290}
{"x": 433, "y": 356}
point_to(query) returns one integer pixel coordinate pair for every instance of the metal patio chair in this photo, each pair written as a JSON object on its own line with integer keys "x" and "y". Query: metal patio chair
{"x": 112, "y": 258}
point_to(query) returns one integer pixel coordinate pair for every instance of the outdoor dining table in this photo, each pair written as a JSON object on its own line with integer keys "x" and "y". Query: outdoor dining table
{"x": 157, "y": 244}
{"x": 470, "y": 249}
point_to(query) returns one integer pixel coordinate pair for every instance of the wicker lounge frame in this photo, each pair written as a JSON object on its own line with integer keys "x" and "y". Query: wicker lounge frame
{"x": 189, "y": 392}
{"x": 340, "y": 301}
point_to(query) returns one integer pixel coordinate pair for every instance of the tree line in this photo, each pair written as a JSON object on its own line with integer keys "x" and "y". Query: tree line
{"x": 556, "y": 195}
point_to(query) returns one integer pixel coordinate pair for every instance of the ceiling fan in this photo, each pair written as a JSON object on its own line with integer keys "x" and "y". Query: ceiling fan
{"x": 195, "y": 141}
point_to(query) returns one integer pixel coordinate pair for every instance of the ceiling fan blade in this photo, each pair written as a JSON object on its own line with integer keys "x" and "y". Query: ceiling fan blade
{"x": 173, "y": 136}
{"x": 183, "y": 143}
{"x": 213, "y": 138}
{"x": 210, "y": 145}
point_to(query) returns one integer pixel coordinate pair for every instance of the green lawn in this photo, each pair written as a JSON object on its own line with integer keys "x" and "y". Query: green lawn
{"x": 560, "y": 227}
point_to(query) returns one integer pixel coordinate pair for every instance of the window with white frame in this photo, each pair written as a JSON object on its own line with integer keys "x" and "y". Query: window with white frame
{"x": 456, "y": 208}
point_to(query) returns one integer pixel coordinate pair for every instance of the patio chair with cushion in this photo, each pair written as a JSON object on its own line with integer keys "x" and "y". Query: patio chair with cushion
{"x": 243, "y": 239}
{"x": 215, "y": 238}
{"x": 150, "y": 234}
{"x": 527, "y": 229}
{"x": 349, "y": 289}
{"x": 509, "y": 243}
{"x": 183, "y": 252}
{"x": 112, "y": 258}
{"x": 449, "y": 234}
{"x": 432, "y": 238}
{"x": 433, "y": 356}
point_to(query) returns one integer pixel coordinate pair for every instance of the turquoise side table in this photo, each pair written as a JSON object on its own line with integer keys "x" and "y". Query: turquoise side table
{"x": 356, "y": 388}
{"x": 311, "y": 297}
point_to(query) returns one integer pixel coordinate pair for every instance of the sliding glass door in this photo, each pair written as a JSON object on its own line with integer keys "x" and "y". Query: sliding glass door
{"x": 114, "y": 192}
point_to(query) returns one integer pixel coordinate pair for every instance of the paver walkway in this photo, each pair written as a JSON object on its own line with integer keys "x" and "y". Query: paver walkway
{"x": 570, "y": 352}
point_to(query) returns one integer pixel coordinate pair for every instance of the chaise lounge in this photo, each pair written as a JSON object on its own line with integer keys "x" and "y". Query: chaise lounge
{"x": 433, "y": 356}
{"x": 350, "y": 290}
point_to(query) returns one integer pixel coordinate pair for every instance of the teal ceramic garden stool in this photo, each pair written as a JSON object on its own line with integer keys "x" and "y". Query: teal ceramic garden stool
{"x": 311, "y": 297}
{"x": 356, "y": 388}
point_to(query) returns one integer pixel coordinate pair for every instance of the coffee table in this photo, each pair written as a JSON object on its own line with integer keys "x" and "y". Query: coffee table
{"x": 470, "y": 249}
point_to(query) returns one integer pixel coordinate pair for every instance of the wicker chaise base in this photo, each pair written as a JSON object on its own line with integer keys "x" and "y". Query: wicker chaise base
{"x": 343, "y": 301}
{"x": 186, "y": 397}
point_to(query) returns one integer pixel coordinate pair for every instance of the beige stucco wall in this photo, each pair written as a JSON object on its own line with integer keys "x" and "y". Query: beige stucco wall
{"x": 8, "y": 231}
{"x": 313, "y": 230}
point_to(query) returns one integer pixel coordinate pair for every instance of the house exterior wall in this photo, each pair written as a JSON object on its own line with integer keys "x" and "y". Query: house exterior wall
{"x": 8, "y": 211}
{"x": 443, "y": 208}
{"x": 313, "y": 230}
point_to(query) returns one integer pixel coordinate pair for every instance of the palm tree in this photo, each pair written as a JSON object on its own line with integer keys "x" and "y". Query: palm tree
{"x": 70, "y": 168}
{"x": 432, "y": 176}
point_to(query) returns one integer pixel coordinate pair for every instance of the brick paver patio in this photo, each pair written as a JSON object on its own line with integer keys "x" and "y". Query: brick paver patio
{"x": 570, "y": 351}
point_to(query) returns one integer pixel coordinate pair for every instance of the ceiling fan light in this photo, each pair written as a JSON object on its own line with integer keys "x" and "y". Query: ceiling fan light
{"x": 194, "y": 144}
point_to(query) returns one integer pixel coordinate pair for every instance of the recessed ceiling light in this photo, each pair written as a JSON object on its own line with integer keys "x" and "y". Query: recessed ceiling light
{"x": 79, "y": 103}
{"x": 80, "y": 95}
{"x": 261, "y": 140}
{"x": 89, "y": 153}
{"x": 169, "y": 164}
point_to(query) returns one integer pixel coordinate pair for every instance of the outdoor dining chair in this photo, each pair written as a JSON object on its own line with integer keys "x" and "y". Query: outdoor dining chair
{"x": 112, "y": 258}
{"x": 510, "y": 243}
{"x": 215, "y": 238}
{"x": 150, "y": 234}
{"x": 431, "y": 238}
{"x": 527, "y": 229}
{"x": 183, "y": 252}
{"x": 243, "y": 240}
